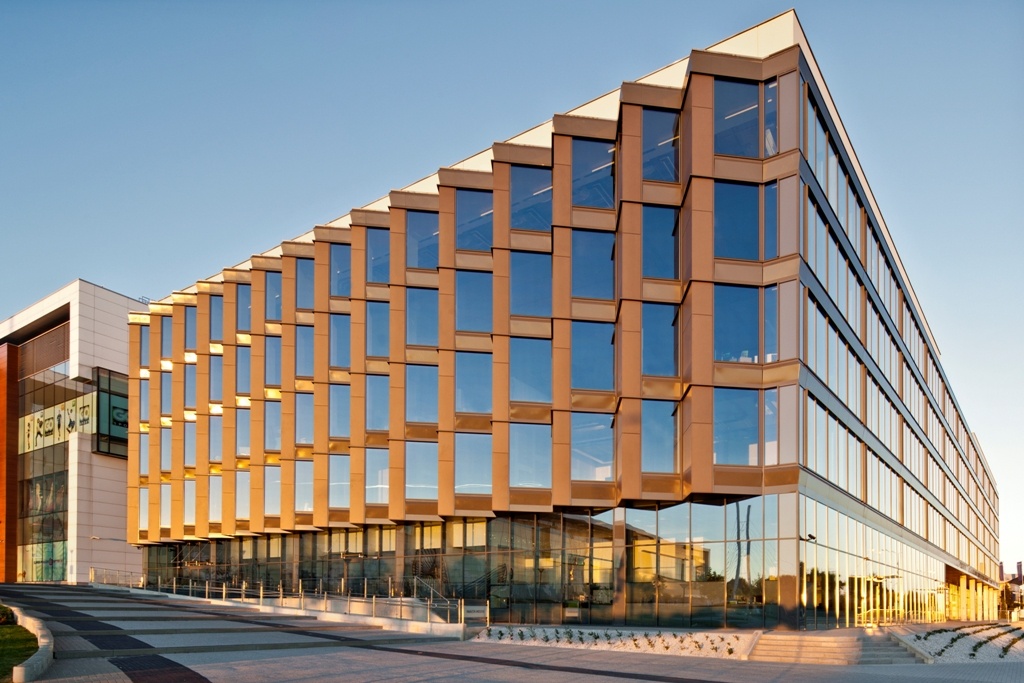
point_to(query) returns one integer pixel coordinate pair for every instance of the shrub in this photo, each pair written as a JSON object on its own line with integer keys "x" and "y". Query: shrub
{"x": 7, "y": 615}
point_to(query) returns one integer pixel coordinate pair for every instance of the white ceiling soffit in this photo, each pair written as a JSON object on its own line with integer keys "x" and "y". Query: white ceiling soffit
{"x": 672, "y": 75}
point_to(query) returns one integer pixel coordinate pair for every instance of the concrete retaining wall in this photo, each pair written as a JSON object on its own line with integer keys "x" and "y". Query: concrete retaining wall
{"x": 33, "y": 667}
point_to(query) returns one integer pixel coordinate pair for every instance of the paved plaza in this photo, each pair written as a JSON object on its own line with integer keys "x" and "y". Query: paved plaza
{"x": 108, "y": 636}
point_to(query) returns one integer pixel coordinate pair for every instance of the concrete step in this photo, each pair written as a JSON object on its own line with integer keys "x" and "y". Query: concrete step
{"x": 814, "y": 648}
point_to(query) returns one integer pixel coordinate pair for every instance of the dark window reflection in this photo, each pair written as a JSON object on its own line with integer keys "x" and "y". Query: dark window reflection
{"x": 531, "y": 198}
{"x": 736, "y": 118}
{"x": 661, "y": 145}
{"x": 593, "y": 173}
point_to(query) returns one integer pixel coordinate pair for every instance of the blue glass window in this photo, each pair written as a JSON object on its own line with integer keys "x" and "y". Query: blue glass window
{"x": 377, "y": 473}
{"x": 658, "y": 436}
{"x": 592, "y": 447}
{"x": 144, "y": 454}
{"x": 216, "y": 498}
{"x": 474, "y": 219}
{"x": 661, "y": 242}
{"x": 661, "y": 145}
{"x": 421, "y": 240}
{"x": 215, "y": 442}
{"x": 189, "y": 442}
{"x": 530, "y": 370}
{"x": 272, "y": 366}
{"x": 473, "y": 379}
{"x": 593, "y": 355}
{"x": 531, "y": 284}
{"x": 243, "y": 425}
{"x": 341, "y": 270}
{"x": 736, "y": 426}
{"x": 304, "y": 350}
{"x": 303, "y": 418}
{"x": 166, "y": 327}
{"x": 421, "y": 470}
{"x": 771, "y": 427}
{"x": 736, "y": 118}
{"x": 165, "y": 393}
{"x": 303, "y": 485}
{"x": 242, "y": 485}
{"x": 272, "y": 490}
{"x": 216, "y": 319}
{"x": 340, "y": 485}
{"x": 593, "y": 258}
{"x": 378, "y": 255}
{"x": 272, "y": 425}
{"x": 190, "y": 386}
{"x": 273, "y": 300}
{"x": 377, "y": 402}
{"x": 771, "y": 118}
{"x": 593, "y": 173}
{"x": 736, "y": 323}
{"x": 473, "y": 301}
{"x": 472, "y": 463}
{"x": 771, "y": 221}
{"x": 421, "y": 317}
{"x": 377, "y": 327}
{"x": 421, "y": 393}
{"x": 305, "y": 287}
{"x": 530, "y": 190}
{"x": 659, "y": 337}
{"x": 529, "y": 458}
{"x": 340, "y": 352}
{"x": 190, "y": 328}
{"x": 143, "y": 400}
{"x": 771, "y": 324}
{"x": 243, "y": 369}
{"x": 166, "y": 454}
{"x": 144, "y": 345}
{"x": 736, "y": 220}
{"x": 243, "y": 312}
{"x": 340, "y": 398}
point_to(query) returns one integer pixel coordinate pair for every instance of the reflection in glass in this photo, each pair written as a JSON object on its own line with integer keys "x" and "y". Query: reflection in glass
{"x": 341, "y": 270}
{"x": 190, "y": 328}
{"x": 190, "y": 386}
{"x": 242, "y": 427}
{"x": 188, "y": 508}
{"x": 421, "y": 393}
{"x": 166, "y": 339}
{"x": 593, "y": 259}
{"x": 272, "y": 425}
{"x": 165, "y": 449}
{"x": 339, "y": 487}
{"x": 340, "y": 397}
{"x": 216, "y": 378}
{"x": 736, "y": 220}
{"x": 661, "y": 242}
{"x": 303, "y": 485}
{"x": 303, "y": 418}
{"x": 144, "y": 346}
{"x": 272, "y": 490}
{"x": 771, "y": 324}
{"x": 243, "y": 360}
{"x": 378, "y": 255}
{"x": 242, "y": 494}
{"x": 473, "y": 301}
{"x": 658, "y": 440}
{"x": 303, "y": 350}
{"x": 377, "y": 402}
{"x": 421, "y": 317}
{"x": 530, "y": 370}
{"x": 771, "y": 221}
{"x": 472, "y": 463}
{"x": 473, "y": 381}
{"x": 593, "y": 355}
{"x": 272, "y": 366}
{"x": 771, "y": 118}
{"x": 216, "y": 319}
{"x": 736, "y": 323}
{"x": 530, "y": 190}
{"x": 530, "y": 284}
{"x": 377, "y": 326}
{"x": 215, "y": 438}
{"x": 593, "y": 173}
{"x": 340, "y": 351}
{"x": 143, "y": 454}
{"x": 376, "y": 475}
{"x": 243, "y": 311}
{"x": 771, "y": 427}
{"x": 189, "y": 444}
{"x": 529, "y": 455}
{"x": 474, "y": 214}
{"x": 421, "y": 239}
{"x": 592, "y": 447}
{"x": 736, "y": 426}
{"x": 216, "y": 498}
{"x": 143, "y": 508}
{"x": 304, "y": 283}
{"x": 421, "y": 470}
{"x": 736, "y": 118}
{"x": 165, "y": 505}
{"x": 273, "y": 300}
{"x": 165, "y": 393}
{"x": 661, "y": 145}
{"x": 658, "y": 336}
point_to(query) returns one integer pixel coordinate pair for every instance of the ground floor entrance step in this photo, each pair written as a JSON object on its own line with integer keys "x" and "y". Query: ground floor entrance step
{"x": 856, "y": 647}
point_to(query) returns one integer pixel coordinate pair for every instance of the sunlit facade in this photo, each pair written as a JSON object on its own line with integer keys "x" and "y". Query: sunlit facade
{"x": 655, "y": 361}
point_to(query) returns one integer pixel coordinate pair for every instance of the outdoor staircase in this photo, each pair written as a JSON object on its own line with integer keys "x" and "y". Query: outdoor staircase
{"x": 852, "y": 647}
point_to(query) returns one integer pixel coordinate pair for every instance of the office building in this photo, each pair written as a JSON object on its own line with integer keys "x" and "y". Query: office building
{"x": 64, "y": 434}
{"x": 654, "y": 361}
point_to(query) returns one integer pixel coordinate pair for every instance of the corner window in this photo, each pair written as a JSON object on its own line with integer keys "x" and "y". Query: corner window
{"x": 421, "y": 317}
{"x": 273, "y": 299}
{"x": 661, "y": 145}
{"x": 473, "y": 463}
{"x": 529, "y": 457}
{"x": 530, "y": 370}
{"x": 593, "y": 173}
{"x": 377, "y": 473}
{"x": 341, "y": 270}
{"x": 378, "y": 255}
{"x": 340, "y": 399}
{"x": 421, "y": 470}
{"x": 771, "y": 324}
{"x": 304, "y": 418}
{"x": 736, "y": 118}
{"x": 305, "y": 288}
{"x": 661, "y": 242}
{"x": 243, "y": 311}
{"x": 592, "y": 447}
{"x": 736, "y": 221}
{"x": 421, "y": 239}
{"x": 473, "y": 382}
{"x": 736, "y": 324}
{"x": 421, "y": 393}
{"x": 593, "y": 264}
{"x": 377, "y": 329}
{"x": 474, "y": 214}
{"x": 272, "y": 425}
{"x": 340, "y": 352}
{"x": 771, "y": 221}
{"x": 736, "y": 426}
{"x": 144, "y": 346}
{"x": 530, "y": 284}
{"x": 771, "y": 118}
{"x": 530, "y": 195}
{"x": 658, "y": 438}
{"x": 339, "y": 487}
{"x": 303, "y": 350}
{"x": 658, "y": 340}
{"x": 377, "y": 403}
{"x": 593, "y": 356}
{"x": 473, "y": 301}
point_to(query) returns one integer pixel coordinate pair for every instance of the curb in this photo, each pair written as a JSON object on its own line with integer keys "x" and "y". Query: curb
{"x": 34, "y": 667}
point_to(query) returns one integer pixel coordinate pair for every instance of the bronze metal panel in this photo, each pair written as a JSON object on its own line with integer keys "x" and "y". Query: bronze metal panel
{"x": 529, "y": 412}
{"x": 530, "y": 327}
{"x": 370, "y": 219}
{"x": 528, "y": 155}
{"x": 736, "y": 168}
{"x": 530, "y": 240}
{"x": 583, "y": 127}
{"x": 646, "y": 95}
{"x": 457, "y": 177}
{"x": 594, "y": 219}
{"x": 591, "y": 309}
{"x": 418, "y": 201}
{"x": 530, "y": 500}
{"x": 629, "y": 156}
{"x": 662, "y": 290}
{"x": 467, "y": 422}
{"x": 668, "y": 194}
{"x": 593, "y": 401}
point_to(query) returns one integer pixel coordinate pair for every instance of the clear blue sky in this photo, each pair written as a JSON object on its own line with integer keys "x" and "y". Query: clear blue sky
{"x": 145, "y": 145}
